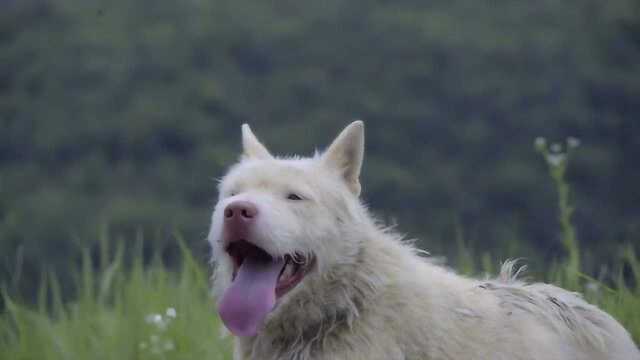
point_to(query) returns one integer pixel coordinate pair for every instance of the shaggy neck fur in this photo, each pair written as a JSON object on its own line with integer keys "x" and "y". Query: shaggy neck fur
{"x": 323, "y": 314}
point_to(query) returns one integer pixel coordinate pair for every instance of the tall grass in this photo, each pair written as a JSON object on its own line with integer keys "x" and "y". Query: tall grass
{"x": 613, "y": 295}
{"x": 131, "y": 311}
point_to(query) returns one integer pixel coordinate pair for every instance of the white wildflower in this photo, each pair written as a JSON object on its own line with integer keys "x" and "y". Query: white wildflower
{"x": 171, "y": 312}
{"x": 157, "y": 320}
{"x": 169, "y": 345}
{"x": 153, "y": 318}
{"x": 573, "y": 142}
{"x": 556, "y": 159}
{"x": 540, "y": 143}
{"x": 158, "y": 343}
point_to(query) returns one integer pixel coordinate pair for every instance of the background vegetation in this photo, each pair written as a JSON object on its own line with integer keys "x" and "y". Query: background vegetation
{"x": 117, "y": 116}
{"x": 140, "y": 313}
{"x": 152, "y": 313}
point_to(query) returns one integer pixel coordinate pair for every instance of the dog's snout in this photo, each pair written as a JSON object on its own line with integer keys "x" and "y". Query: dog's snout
{"x": 240, "y": 210}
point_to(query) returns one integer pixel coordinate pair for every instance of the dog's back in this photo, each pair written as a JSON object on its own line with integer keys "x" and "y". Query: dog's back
{"x": 507, "y": 319}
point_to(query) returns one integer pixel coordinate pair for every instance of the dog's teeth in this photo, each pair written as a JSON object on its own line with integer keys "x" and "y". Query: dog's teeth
{"x": 288, "y": 271}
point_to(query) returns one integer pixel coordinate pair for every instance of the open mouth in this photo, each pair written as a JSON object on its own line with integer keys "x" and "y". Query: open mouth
{"x": 258, "y": 280}
{"x": 291, "y": 268}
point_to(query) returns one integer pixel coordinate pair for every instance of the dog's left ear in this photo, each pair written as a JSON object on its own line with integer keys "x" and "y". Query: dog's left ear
{"x": 346, "y": 153}
{"x": 251, "y": 146}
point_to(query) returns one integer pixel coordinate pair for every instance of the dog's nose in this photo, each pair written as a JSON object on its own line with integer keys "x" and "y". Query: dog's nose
{"x": 243, "y": 211}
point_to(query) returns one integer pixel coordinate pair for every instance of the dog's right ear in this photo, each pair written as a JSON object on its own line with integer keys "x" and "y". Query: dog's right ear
{"x": 251, "y": 147}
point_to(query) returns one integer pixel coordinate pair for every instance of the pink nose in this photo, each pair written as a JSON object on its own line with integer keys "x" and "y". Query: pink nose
{"x": 240, "y": 211}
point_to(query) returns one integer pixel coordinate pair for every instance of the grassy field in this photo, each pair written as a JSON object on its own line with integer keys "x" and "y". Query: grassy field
{"x": 143, "y": 312}
{"x": 153, "y": 313}
{"x": 124, "y": 310}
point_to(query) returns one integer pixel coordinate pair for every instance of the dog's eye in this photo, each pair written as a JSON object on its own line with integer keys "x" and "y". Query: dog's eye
{"x": 293, "y": 196}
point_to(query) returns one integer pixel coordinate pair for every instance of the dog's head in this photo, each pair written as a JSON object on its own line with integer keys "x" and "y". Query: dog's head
{"x": 279, "y": 225}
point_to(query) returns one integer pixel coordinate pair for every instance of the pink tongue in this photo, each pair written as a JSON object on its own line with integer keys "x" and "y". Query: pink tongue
{"x": 251, "y": 296}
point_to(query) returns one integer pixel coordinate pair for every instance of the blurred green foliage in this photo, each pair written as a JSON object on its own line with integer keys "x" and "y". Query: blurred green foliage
{"x": 120, "y": 114}
{"x": 145, "y": 312}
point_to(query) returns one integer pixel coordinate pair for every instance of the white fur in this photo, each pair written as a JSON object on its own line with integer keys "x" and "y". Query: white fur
{"x": 371, "y": 296}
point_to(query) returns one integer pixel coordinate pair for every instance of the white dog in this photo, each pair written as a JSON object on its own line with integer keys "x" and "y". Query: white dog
{"x": 303, "y": 272}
